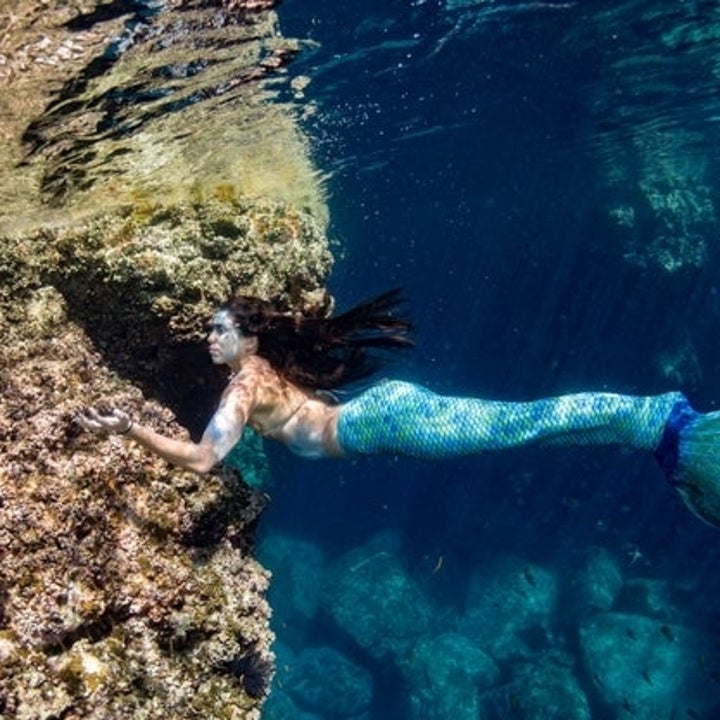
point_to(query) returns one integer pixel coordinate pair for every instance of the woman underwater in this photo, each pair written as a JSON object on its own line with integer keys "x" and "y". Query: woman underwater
{"x": 279, "y": 361}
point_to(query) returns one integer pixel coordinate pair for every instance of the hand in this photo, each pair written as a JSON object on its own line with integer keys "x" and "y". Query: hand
{"x": 117, "y": 423}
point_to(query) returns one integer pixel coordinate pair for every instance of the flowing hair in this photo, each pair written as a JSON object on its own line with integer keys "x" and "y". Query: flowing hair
{"x": 324, "y": 352}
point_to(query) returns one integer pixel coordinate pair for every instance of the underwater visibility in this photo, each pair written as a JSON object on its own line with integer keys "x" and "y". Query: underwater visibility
{"x": 539, "y": 179}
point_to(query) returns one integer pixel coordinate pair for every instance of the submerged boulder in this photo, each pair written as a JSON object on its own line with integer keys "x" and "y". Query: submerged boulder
{"x": 645, "y": 668}
{"x": 598, "y": 583}
{"x": 545, "y": 688}
{"x": 445, "y": 675}
{"x": 372, "y": 597}
{"x": 323, "y": 680}
{"x": 510, "y": 608}
{"x": 298, "y": 570}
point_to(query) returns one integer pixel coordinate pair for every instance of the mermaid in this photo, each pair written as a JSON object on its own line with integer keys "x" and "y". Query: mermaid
{"x": 284, "y": 366}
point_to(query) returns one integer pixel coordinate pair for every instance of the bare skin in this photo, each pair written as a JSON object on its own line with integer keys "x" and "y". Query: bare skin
{"x": 256, "y": 395}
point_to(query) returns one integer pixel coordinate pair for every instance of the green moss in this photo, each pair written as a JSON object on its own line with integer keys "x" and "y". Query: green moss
{"x": 226, "y": 193}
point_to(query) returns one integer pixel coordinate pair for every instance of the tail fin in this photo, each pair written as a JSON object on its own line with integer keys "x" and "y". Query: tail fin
{"x": 689, "y": 453}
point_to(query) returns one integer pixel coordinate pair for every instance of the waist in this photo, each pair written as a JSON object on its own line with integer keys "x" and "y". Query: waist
{"x": 310, "y": 432}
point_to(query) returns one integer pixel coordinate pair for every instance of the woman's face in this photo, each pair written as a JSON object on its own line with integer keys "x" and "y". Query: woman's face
{"x": 227, "y": 343}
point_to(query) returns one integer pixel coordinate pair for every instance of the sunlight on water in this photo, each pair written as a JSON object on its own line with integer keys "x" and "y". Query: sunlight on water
{"x": 156, "y": 101}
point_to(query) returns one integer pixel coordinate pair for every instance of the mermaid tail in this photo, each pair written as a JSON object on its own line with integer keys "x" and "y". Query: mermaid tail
{"x": 689, "y": 454}
{"x": 405, "y": 419}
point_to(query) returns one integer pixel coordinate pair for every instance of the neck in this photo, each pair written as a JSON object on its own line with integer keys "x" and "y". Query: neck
{"x": 237, "y": 364}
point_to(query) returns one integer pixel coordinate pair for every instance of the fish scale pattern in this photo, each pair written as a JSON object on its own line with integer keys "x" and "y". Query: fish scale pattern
{"x": 406, "y": 419}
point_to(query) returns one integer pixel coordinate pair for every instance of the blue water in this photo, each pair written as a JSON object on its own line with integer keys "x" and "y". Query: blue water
{"x": 469, "y": 146}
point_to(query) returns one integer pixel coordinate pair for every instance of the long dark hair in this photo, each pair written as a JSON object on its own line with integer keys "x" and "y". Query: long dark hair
{"x": 324, "y": 352}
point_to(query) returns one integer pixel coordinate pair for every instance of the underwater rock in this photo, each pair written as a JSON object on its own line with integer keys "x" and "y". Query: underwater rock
{"x": 444, "y": 675}
{"x": 666, "y": 225}
{"x": 147, "y": 179}
{"x": 544, "y": 689}
{"x": 115, "y": 601}
{"x": 298, "y": 570}
{"x": 674, "y": 209}
{"x": 598, "y": 583}
{"x": 128, "y": 589}
{"x": 644, "y": 668}
{"x": 324, "y": 680}
{"x": 509, "y": 608}
{"x": 647, "y": 596}
{"x": 170, "y": 265}
{"x": 372, "y": 597}
{"x": 143, "y": 281}
{"x": 279, "y": 706}
{"x": 660, "y": 187}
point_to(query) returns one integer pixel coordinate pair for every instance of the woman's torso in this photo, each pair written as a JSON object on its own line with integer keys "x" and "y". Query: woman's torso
{"x": 299, "y": 418}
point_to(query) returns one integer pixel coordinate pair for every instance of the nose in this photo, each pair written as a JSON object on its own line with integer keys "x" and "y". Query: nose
{"x": 214, "y": 332}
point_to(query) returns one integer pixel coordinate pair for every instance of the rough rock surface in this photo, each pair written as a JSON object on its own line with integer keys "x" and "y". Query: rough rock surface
{"x": 142, "y": 281}
{"x": 645, "y": 668}
{"x": 127, "y": 588}
{"x": 323, "y": 680}
{"x": 147, "y": 179}
{"x": 374, "y": 600}
{"x": 510, "y": 607}
{"x": 445, "y": 674}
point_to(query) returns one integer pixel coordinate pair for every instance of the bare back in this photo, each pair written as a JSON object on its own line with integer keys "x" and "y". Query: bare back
{"x": 283, "y": 411}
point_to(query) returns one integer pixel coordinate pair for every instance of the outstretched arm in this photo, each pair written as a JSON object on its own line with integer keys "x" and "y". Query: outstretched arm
{"x": 223, "y": 431}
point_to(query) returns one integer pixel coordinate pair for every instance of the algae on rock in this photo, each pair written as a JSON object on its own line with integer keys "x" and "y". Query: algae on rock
{"x": 112, "y": 602}
{"x": 128, "y": 588}
{"x": 130, "y": 209}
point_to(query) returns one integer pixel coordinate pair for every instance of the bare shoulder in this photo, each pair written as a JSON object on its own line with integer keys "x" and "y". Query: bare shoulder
{"x": 257, "y": 371}
{"x": 256, "y": 378}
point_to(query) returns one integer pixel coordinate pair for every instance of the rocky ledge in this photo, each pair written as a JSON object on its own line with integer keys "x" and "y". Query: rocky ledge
{"x": 128, "y": 588}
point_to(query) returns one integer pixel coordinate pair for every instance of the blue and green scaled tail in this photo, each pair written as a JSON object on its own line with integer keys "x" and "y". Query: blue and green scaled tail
{"x": 689, "y": 455}
{"x": 405, "y": 419}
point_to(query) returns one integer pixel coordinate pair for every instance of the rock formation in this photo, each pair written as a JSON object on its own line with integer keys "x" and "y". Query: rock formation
{"x": 127, "y": 587}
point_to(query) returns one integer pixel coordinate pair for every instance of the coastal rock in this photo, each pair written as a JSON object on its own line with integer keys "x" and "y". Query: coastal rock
{"x": 143, "y": 281}
{"x": 509, "y": 608}
{"x": 127, "y": 588}
{"x": 544, "y": 689}
{"x": 372, "y": 597}
{"x": 445, "y": 675}
{"x": 325, "y": 681}
{"x": 645, "y": 668}
{"x": 598, "y": 583}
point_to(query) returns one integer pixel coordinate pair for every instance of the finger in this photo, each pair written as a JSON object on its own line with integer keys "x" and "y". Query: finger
{"x": 87, "y": 424}
{"x": 93, "y": 414}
